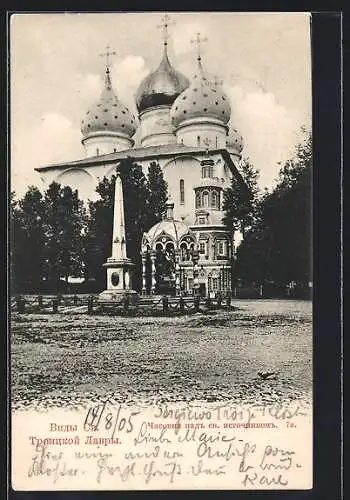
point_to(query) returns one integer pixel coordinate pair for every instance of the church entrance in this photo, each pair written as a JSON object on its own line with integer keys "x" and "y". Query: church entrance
{"x": 165, "y": 269}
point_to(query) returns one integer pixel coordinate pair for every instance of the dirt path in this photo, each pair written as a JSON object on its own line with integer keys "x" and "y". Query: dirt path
{"x": 63, "y": 360}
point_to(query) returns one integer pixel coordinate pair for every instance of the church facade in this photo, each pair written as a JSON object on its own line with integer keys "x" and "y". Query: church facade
{"x": 183, "y": 125}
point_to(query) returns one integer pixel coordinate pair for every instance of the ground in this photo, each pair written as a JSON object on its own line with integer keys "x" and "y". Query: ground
{"x": 65, "y": 359}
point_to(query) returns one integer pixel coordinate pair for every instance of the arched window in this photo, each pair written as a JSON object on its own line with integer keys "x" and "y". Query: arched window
{"x": 198, "y": 141}
{"x": 214, "y": 199}
{"x": 97, "y": 152}
{"x": 198, "y": 200}
{"x": 205, "y": 199}
{"x": 182, "y": 191}
{"x": 184, "y": 251}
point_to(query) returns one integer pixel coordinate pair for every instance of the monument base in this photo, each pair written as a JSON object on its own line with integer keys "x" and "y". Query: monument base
{"x": 118, "y": 296}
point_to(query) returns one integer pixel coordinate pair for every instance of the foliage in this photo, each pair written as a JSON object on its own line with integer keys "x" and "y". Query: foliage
{"x": 47, "y": 235}
{"x": 64, "y": 224}
{"x": 241, "y": 200}
{"x": 27, "y": 239}
{"x": 277, "y": 248}
{"x": 157, "y": 194}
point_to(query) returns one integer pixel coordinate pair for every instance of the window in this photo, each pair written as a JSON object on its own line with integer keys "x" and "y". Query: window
{"x": 210, "y": 284}
{"x": 184, "y": 252}
{"x": 182, "y": 191}
{"x": 198, "y": 200}
{"x": 97, "y": 151}
{"x": 205, "y": 199}
{"x": 207, "y": 171}
{"x": 202, "y": 247}
{"x": 215, "y": 284}
{"x": 190, "y": 283}
{"x": 198, "y": 140}
{"x": 214, "y": 199}
{"x": 201, "y": 220}
{"x": 222, "y": 247}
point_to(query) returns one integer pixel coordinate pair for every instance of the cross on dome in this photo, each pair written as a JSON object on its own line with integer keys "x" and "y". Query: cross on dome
{"x": 198, "y": 41}
{"x": 107, "y": 55}
{"x": 166, "y": 22}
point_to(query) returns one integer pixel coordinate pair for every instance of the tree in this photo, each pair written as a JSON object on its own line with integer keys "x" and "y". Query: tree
{"x": 27, "y": 240}
{"x": 241, "y": 199}
{"x": 157, "y": 194}
{"x": 277, "y": 248}
{"x": 64, "y": 225}
{"x": 144, "y": 200}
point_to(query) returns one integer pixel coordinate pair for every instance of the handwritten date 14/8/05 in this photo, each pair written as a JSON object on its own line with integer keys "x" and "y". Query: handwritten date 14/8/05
{"x": 98, "y": 417}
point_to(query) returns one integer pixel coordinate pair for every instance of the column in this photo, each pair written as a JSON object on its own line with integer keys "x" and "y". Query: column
{"x": 153, "y": 273}
{"x": 144, "y": 290}
{"x": 177, "y": 273}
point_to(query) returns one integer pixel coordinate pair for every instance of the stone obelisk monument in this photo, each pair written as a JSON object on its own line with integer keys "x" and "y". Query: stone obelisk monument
{"x": 119, "y": 267}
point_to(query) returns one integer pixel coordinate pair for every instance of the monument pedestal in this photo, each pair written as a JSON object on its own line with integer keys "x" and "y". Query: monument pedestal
{"x": 118, "y": 281}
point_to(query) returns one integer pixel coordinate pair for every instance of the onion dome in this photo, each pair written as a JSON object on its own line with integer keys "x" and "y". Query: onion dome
{"x": 235, "y": 141}
{"x": 167, "y": 229}
{"x": 202, "y": 99}
{"x": 162, "y": 86}
{"x": 109, "y": 114}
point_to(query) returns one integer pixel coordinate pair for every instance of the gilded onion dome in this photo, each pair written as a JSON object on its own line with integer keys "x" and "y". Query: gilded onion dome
{"x": 202, "y": 99}
{"x": 109, "y": 114}
{"x": 235, "y": 140}
{"x": 162, "y": 86}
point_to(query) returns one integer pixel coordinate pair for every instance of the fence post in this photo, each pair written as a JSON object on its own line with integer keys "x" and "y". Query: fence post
{"x": 90, "y": 304}
{"x": 165, "y": 302}
{"x": 228, "y": 300}
{"x": 21, "y": 304}
{"x": 219, "y": 300}
{"x": 208, "y": 302}
{"x": 196, "y": 302}
{"x": 126, "y": 303}
{"x": 59, "y": 298}
{"x": 181, "y": 304}
{"x": 54, "y": 305}
{"x": 75, "y": 299}
{"x": 40, "y": 301}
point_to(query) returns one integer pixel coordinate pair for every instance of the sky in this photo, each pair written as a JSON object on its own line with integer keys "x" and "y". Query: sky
{"x": 56, "y": 73}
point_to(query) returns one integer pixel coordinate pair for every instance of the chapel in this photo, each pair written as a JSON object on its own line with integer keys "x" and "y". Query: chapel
{"x": 183, "y": 125}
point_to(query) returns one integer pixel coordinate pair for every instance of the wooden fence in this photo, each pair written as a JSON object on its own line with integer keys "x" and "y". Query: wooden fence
{"x": 90, "y": 304}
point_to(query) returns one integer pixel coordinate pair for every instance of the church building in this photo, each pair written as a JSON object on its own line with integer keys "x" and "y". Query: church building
{"x": 182, "y": 125}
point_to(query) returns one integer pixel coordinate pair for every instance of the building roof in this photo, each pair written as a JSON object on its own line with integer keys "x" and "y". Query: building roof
{"x": 150, "y": 152}
{"x": 137, "y": 153}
